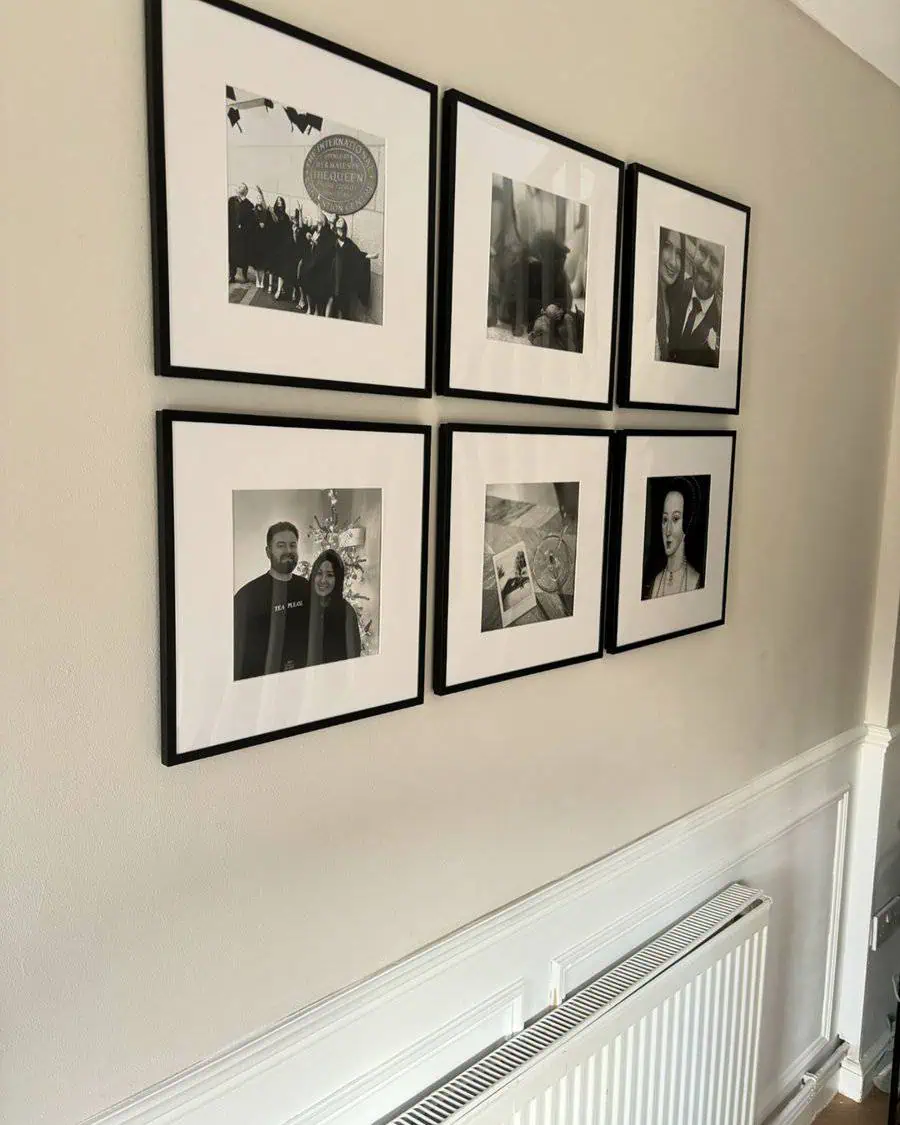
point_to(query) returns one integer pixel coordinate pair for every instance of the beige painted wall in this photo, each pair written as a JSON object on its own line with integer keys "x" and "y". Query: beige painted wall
{"x": 153, "y": 916}
{"x": 883, "y": 688}
{"x": 894, "y": 707}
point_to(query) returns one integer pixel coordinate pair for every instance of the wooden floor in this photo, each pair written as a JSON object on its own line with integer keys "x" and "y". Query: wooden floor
{"x": 872, "y": 1111}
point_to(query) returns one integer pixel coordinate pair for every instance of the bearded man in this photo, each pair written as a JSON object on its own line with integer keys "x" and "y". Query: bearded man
{"x": 271, "y": 613}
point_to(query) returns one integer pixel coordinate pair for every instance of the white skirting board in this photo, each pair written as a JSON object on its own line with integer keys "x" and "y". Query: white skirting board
{"x": 856, "y": 993}
{"x": 816, "y": 1091}
{"x": 857, "y": 1075}
{"x": 357, "y": 1056}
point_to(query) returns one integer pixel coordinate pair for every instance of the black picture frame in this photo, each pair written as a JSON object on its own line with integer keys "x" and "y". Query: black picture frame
{"x": 616, "y": 530}
{"x": 166, "y": 485}
{"x": 626, "y": 394}
{"x": 159, "y": 209}
{"x": 451, "y": 102}
{"x": 448, "y": 432}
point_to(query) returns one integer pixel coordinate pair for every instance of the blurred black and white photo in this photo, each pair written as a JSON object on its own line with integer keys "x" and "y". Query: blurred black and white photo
{"x": 307, "y": 578}
{"x": 691, "y": 274}
{"x": 305, "y": 211}
{"x": 530, "y": 538}
{"x": 676, "y": 527}
{"x": 538, "y": 266}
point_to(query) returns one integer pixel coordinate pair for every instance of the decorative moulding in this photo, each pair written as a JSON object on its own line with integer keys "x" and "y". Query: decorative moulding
{"x": 507, "y": 1002}
{"x": 212, "y": 1090}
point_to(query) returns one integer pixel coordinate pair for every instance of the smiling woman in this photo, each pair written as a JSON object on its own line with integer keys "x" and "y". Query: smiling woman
{"x": 671, "y": 273}
{"x": 333, "y": 624}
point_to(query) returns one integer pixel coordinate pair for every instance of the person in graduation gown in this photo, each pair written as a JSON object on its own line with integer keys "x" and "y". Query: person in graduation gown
{"x": 316, "y": 269}
{"x": 350, "y": 276}
{"x": 240, "y": 214}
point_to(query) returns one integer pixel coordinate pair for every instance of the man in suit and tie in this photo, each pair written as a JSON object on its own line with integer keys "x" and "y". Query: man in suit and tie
{"x": 696, "y": 323}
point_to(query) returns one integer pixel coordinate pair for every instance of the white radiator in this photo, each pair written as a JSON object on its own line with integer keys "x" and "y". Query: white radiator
{"x": 669, "y": 1036}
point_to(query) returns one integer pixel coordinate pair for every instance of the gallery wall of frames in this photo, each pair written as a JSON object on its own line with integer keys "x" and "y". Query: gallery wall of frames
{"x": 294, "y": 193}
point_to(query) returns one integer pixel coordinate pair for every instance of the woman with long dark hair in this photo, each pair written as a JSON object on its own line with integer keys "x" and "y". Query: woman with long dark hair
{"x": 670, "y": 275}
{"x": 317, "y": 268}
{"x": 277, "y": 244}
{"x": 333, "y": 625}
{"x": 282, "y": 245}
{"x": 678, "y": 513}
{"x": 259, "y": 243}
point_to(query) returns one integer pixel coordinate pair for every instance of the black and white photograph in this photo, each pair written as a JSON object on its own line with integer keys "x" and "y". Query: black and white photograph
{"x": 305, "y": 211}
{"x": 522, "y": 516}
{"x": 683, "y": 295}
{"x": 538, "y": 267}
{"x": 317, "y": 600}
{"x": 675, "y": 528}
{"x": 293, "y": 563}
{"x": 510, "y": 587}
{"x": 689, "y": 299}
{"x": 530, "y": 539}
{"x": 293, "y": 199}
{"x": 670, "y": 528}
{"x": 530, "y": 238}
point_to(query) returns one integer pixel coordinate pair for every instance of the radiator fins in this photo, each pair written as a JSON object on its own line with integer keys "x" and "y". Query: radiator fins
{"x": 587, "y": 1003}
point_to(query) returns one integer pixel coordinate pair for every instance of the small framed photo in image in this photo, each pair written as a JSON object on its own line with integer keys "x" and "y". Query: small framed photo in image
{"x": 292, "y": 188}
{"x": 530, "y": 238}
{"x": 521, "y": 539}
{"x": 292, "y": 575}
{"x": 683, "y": 294}
{"x": 514, "y": 583}
{"x": 670, "y": 528}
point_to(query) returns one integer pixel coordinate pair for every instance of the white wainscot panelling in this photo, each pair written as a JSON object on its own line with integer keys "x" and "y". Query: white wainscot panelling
{"x": 803, "y": 938}
{"x": 355, "y": 1057}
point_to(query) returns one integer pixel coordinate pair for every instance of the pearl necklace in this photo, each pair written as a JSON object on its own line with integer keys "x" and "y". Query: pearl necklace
{"x": 665, "y": 586}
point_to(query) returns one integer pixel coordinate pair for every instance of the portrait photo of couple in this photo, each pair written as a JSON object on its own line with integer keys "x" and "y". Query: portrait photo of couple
{"x": 689, "y": 299}
{"x": 683, "y": 304}
{"x": 314, "y": 596}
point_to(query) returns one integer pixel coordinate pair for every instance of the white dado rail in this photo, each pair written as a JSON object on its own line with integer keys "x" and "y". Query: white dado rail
{"x": 359, "y": 1055}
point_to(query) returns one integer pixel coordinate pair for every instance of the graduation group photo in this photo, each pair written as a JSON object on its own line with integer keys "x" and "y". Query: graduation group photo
{"x": 293, "y": 200}
{"x": 305, "y": 211}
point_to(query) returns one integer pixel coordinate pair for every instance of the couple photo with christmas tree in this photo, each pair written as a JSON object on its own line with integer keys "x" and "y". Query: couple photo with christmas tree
{"x": 318, "y": 601}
